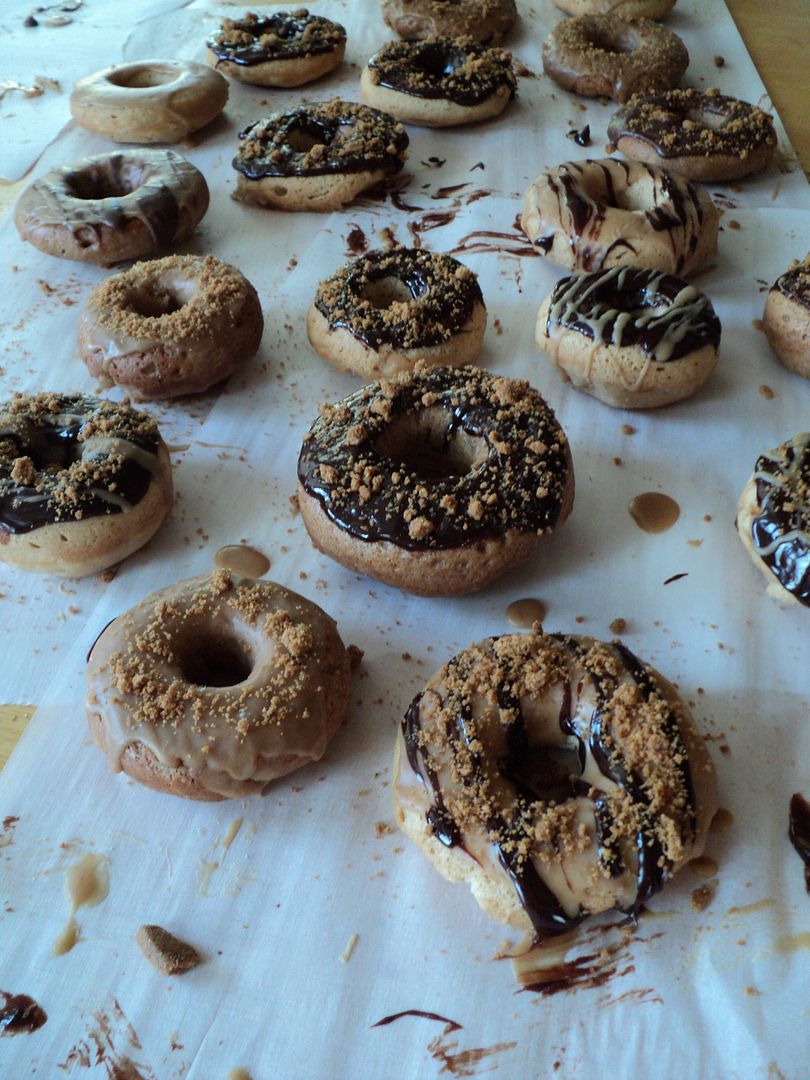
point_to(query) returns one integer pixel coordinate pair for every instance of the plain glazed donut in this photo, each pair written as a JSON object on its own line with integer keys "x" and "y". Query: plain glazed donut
{"x": 213, "y": 687}
{"x": 83, "y": 483}
{"x": 705, "y": 137}
{"x": 149, "y": 101}
{"x": 112, "y": 207}
{"x": 622, "y": 9}
{"x": 592, "y": 215}
{"x": 383, "y": 312}
{"x": 485, "y": 20}
{"x": 435, "y": 481}
{"x": 317, "y": 157}
{"x": 635, "y": 339}
{"x": 602, "y": 56}
{"x": 559, "y": 776}
{"x": 280, "y": 49}
{"x": 439, "y": 82}
{"x": 172, "y": 326}
{"x": 787, "y": 318}
{"x": 773, "y": 519}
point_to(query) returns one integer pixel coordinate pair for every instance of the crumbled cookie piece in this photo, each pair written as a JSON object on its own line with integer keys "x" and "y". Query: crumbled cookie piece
{"x": 164, "y": 951}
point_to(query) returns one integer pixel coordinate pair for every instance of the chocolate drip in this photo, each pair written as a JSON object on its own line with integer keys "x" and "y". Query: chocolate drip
{"x": 287, "y": 36}
{"x": 581, "y": 136}
{"x": 799, "y": 832}
{"x": 781, "y": 529}
{"x": 438, "y": 816}
{"x": 20, "y": 1014}
{"x": 452, "y": 1025}
{"x": 795, "y": 284}
{"x": 463, "y": 72}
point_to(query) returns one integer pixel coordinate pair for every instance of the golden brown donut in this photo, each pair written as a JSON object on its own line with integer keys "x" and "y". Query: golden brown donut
{"x": 787, "y": 318}
{"x": 149, "y": 101}
{"x": 558, "y": 776}
{"x": 484, "y": 20}
{"x": 114, "y": 206}
{"x": 211, "y": 688}
{"x": 592, "y": 215}
{"x": 83, "y": 482}
{"x": 435, "y": 481}
{"x": 172, "y": 326}
{"x": 622, "y": 9}
{"x": 603, "y": 56}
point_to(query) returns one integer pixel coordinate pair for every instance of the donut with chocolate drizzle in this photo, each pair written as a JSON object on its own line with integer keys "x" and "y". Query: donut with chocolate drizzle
{"x": 559, "y": 776}
{"x": 485, "y": 20}
{"x": 84, "y": 482}
{"x": 635, "y": 339}
{"x": 439, "y": 82}
{"x": 435, "y": 481}
{"x": 773, "y": 519}
{"x": 787, "y": 318}
{"x": 381, "y": 313}
{"x": 594, "y": 215}
{"x": 283, "y": 48}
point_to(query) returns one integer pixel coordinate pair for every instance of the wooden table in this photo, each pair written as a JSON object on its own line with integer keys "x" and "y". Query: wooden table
{"x": 777, "y": 37}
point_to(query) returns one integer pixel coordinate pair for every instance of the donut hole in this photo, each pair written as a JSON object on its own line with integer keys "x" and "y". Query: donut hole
{"x": 711, "y": 120}
{"x": 617, "y": 43}
{"x": 302, "y": 137}
{"x": 383, "y": 292}
{"x": 549, "y": 772}
{"x": 141, "y": 77}
{"x": 101, "y": 183}
{"x": 425, "y": 445}
{"x": 152, "y": 299}
{"x": 436, "y": 61}
{"x": 213, "y": 657}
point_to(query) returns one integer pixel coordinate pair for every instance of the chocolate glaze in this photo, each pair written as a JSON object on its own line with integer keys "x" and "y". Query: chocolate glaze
{"x": 799, "y": 832}
{"x": 581, "y": 136}
{"x": 618, "y": 307}
{"x": 795, "y": 284}
{"x": 452, "y": 69}
{"x": 20, "y": 1014}
{"x": 298, "y": 34}
{"x": 781, "y": 529}
{"x": 452, "y": 1025}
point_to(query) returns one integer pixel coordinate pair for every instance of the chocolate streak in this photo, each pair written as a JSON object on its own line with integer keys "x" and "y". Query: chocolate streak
{"x": 289, "y": 30}
{"x": 436, "y": 70}
{"x": 799, "y": 832}
{"x": 20, "y": 1014}
{"x": 795, "y": 284}
{"x": 781, "y": 529}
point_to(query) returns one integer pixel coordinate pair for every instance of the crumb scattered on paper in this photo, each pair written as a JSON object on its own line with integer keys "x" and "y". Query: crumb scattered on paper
{"x": 346, "y": 955}
{"x": 164, "y": 951}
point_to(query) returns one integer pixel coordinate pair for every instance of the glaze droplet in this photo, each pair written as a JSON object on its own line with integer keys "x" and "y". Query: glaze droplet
{"x": 654, "y": 512}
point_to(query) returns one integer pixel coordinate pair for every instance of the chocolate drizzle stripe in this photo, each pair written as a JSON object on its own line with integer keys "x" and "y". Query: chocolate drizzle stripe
{"x": 799, "y": 832}
{"x": 780, "y": 531}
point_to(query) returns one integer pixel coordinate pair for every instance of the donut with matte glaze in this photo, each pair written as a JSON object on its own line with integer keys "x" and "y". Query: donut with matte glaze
{"x": 485, "y": 20}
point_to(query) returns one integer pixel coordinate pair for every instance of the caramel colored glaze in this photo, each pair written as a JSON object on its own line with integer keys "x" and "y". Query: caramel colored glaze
{"x": 799, "y": 832}
{"x": 722, "y": 820}
{"x": 19, "y": 1014}
{"x": 703, "y": 895}
{"x": 451, "y": 1024}
{"x": 759, "y": 325}
{"x": 792, "y": 943}
{"x": 239, "y": 1074}
{"x": 525, "y": 613}
{"x": 88, "y": 883}
{"x": 767, "y": 392}
{"x": 243, "y": 560}
{"x": 654, "y": 512}
{"x": 703, "y": 866}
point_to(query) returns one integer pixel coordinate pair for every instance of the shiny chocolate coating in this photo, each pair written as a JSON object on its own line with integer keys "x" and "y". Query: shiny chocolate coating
{"x": 781, "y": 528}
{"x": 443, "y": 68}
{"x": 282, "y": 35}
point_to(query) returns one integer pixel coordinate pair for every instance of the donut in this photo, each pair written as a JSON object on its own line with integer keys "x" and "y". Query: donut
{"x": 773, "y": 519}
{"x": 281, "y": 49}
{"x": 149, "y": 101}
{"x": 211, "y": 688}
{"x": 83, "y": 482}
{"x": 317, "y": 157}
{"x": 435, "y": 481}
{"x": 635, "y": 339}
{"x": 593, "y": 215}
{"x": 381, "y": 313}
{"x": 439, "y": 82}
{"x": 114, "y": 206}
{"x": 622, "y": 9}
{"x": 603, "y": 56}
{"x": 485, "y": 20}
{"x": 172, "y": 326}
{"x": 559, "y": 776}
{"x": 705, "y": 137}
{"x": 787, "y": 318}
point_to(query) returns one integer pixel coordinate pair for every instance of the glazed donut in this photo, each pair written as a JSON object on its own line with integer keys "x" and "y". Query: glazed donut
{"x": 172, "y": 326}
{"x": 435, "y": 481}
{"x": 485, "y": 20}
{"x": 439, "y": 82}
{"x": 559, "y": 776}
{"x": 622, "y": 9}
{"x": 705, "y": 137}
{"x": 602, "y": 56}
{"x": 317, "y": 157}
{"x": 592, "y": 215}
{"x": 213, "y": 687}
{"x": 83, "y": 482}
{"x": 773, "y": 519}
{"x": 281, "y": 49}
{"x": 787, "y": 318}
{"x": 635, "y": 339}
{"x": 381, "y": 313}
{"x": 112, "y": 207}
{"x": 149, "y": 101}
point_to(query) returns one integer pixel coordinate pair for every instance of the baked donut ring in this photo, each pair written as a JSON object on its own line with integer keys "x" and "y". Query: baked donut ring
{"x": 83, "y": 482}
{"x": 172, "y": 326}
{"x": 787, "y": 318}
{"x": 280, "y": 49}
{"x": 111, "y": 207}
{"x": 485, "y": 20}
{"x": 149, "y": 101}
{"x": 705, "y": 137}
{"x": 439, "y": 82}
{"x": 773, "y": 519}
{"x": 592, "y": 215}
{"x": 213, "y": 687}
{"x": 559, "y": 776}
{"x": 435, "y": 481}
{"x": 317, "y": 157}
{"x": 381, "y": 313}
{"x": 635, "y": 339}
{"x": 602, "y": 56}
{"x": 622, "y": 9}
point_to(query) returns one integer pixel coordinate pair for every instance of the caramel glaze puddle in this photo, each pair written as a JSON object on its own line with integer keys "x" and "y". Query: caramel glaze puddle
{"x": 723, "y": 819}
{"x": 525, "y": 613}
{"x": 654, "y": 512}
{"x": 703, "y": 866}
{"x": 243, "y": 560}
{"x": 88, "y": 883}
{"x": 19, "y": 1014}
{"x": 758, "y": 324}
